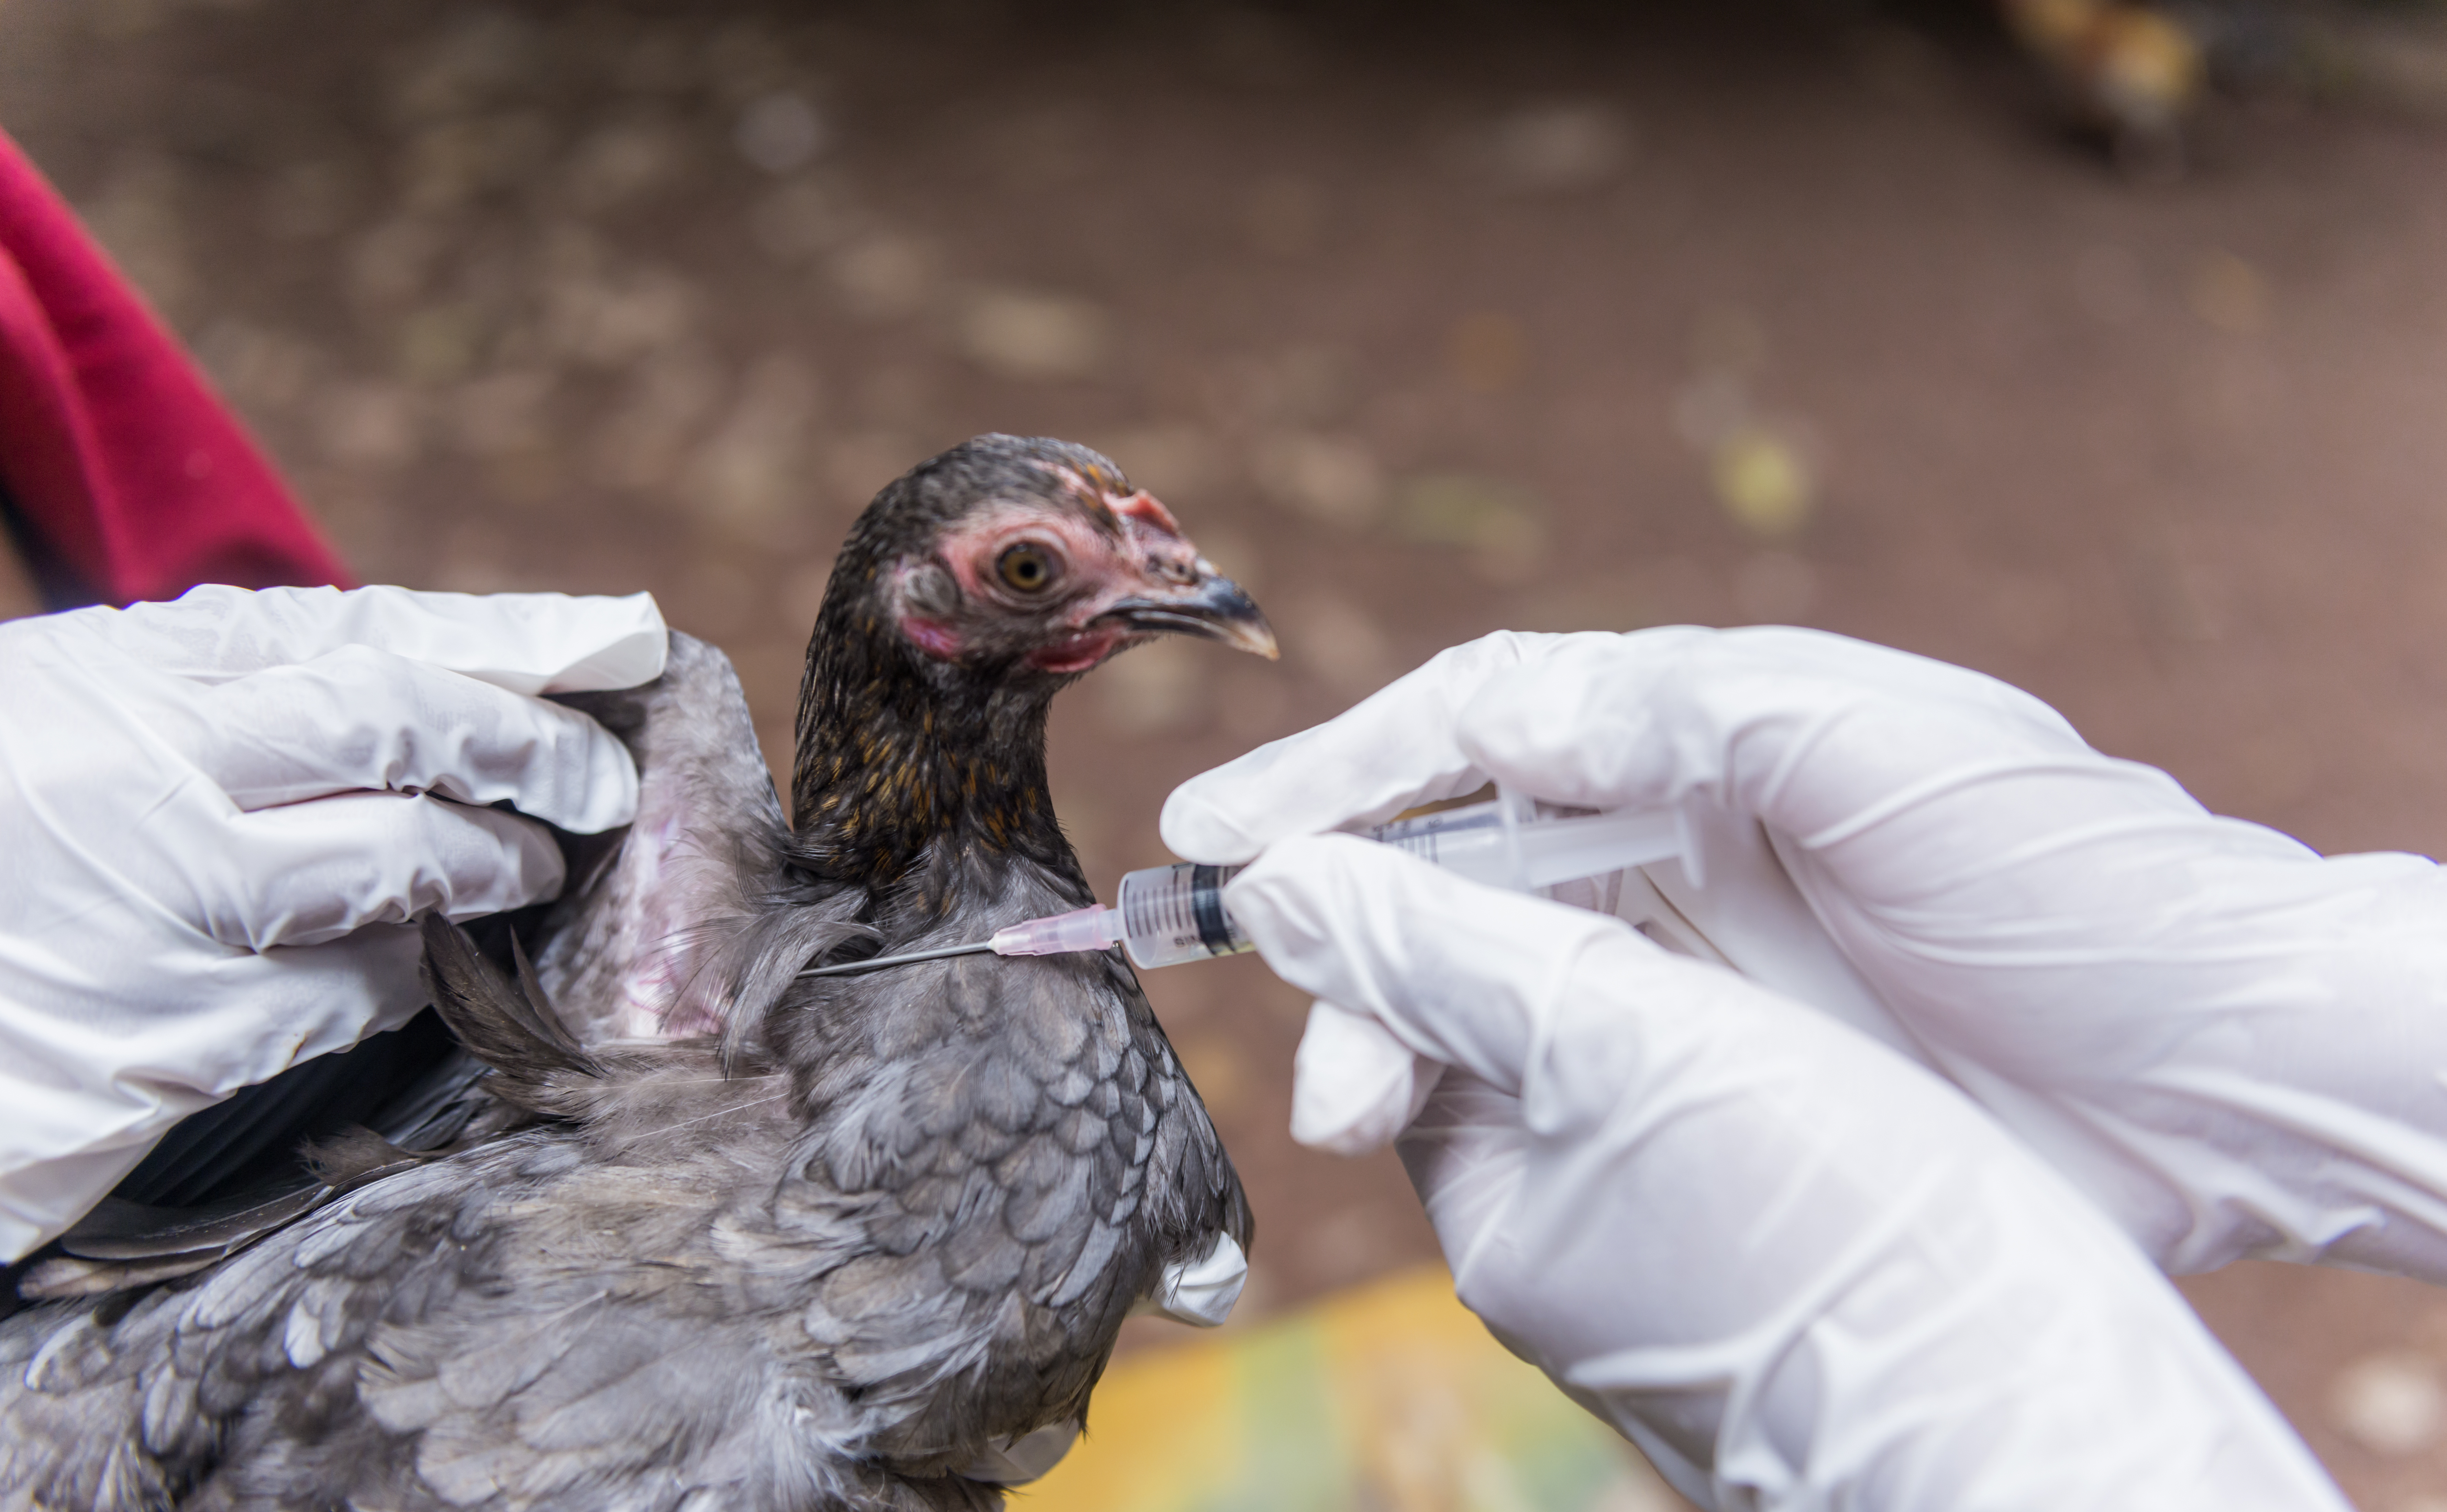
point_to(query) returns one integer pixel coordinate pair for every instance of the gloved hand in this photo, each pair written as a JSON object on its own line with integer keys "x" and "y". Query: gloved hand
{"x": 2070, "y": 938}
{"x": 1799, "y": 1271}
{"x": 2231, "y": 1045}
{"x": 220, "y": 816}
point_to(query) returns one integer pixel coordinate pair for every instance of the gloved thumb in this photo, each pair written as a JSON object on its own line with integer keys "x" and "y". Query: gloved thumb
{"x": 1459, "y": 973}
{"x": 1354, "y": 1086}
{"x": 1391, "y": 750}
{"x": 1640, "y": 720}
{"x": 1648, "y": 719}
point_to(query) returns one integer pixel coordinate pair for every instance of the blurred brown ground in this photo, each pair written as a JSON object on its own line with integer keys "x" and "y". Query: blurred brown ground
{"x": 1426, "y": 321}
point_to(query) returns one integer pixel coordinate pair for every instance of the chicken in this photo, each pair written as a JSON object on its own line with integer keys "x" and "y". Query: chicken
{"x": 711, "y": 1233}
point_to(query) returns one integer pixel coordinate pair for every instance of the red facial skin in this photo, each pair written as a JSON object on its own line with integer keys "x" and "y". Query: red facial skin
{"x": 932, "y": 636}
{"x": 1149, "y": 558}
{"x": 1076, "y": 654}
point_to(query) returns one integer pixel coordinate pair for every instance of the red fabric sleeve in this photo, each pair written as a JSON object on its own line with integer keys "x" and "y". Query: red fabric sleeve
{"x": 115, "y": 453}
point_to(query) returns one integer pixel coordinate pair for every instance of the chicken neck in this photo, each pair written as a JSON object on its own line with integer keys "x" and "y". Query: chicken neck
{"x": 902, "y": 760}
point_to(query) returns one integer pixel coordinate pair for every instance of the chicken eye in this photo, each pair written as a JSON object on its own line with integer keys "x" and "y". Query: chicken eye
{"x": 1027, "y": 567}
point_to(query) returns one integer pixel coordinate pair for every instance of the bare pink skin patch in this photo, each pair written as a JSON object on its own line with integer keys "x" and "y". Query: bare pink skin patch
{"x": 932, "y": 636}
{"x": 1147, "y": 509}
{"x": 1076, "y": 654}
{"x": 1146, "y": 554}
{"x": 970, "y": 549}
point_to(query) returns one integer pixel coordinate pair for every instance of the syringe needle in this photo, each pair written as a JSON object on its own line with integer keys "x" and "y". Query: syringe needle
{"x": 852, "y": 967}
{"x": 1082, "y": 929}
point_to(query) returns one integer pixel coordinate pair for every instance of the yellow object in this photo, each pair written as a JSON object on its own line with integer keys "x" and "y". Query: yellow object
{"x": 2133, "y": 65}
{"x": 1499, "y": 524}
{"x": 2148, "y": 69}
{"x": 1762, "y": 480}
{"x": 1488, "y": 352}
{"x": 1390, "y": 1397}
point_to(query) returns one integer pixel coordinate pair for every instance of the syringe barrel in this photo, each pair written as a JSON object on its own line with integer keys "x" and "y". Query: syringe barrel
{"x": 1175, "y": 913}
{"x": 1472, "y": 844}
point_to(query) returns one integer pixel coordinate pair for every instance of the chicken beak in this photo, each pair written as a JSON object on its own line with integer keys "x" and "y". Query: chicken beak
{"x": 1213, "y": 608}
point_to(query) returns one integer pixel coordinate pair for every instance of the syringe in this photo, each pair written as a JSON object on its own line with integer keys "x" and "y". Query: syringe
{"x": 1167, "y": 915}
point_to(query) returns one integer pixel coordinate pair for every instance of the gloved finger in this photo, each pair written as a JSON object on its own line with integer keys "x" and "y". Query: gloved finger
{"x": 1392, "y": 750}
{"x": 1457, "y": 971}
{"x": 2177, "y": 1010}
{"x": 360, "y": 718}
{"x": 306, "y": 873}
{"x": 89, "y": 1092}
{"x": 1354, "y": 1086}
{"x": 1802, "y": 728}
{"x": 1689, "y": 1200}
{"x": 528, "y": 643}
{"x": 1694, "y": 1203}
{"x": 1467, "y": 1149}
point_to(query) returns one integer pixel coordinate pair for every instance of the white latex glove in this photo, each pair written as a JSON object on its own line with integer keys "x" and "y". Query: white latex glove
{"x": 218, "y": 816}
{"x": 2005, "y": 893}
{"x": 1799, "y": 1271}
{"x": 2231, "y": 1045}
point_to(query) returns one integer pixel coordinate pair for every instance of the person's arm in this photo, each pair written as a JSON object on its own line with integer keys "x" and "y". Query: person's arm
{"x": 219, "y": 817}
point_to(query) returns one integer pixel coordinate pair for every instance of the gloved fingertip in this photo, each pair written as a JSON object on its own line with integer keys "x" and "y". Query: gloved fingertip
{"x": 634, "y": 645}
{"x": 1195, "y": 828}
{"x": 1354, "y": 1086}
{"x": 610, "y": 786}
